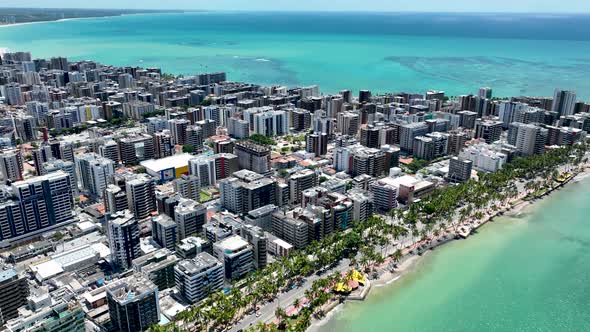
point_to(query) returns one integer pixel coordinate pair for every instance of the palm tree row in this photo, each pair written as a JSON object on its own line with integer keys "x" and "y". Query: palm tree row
{"x": 433, "y": 215}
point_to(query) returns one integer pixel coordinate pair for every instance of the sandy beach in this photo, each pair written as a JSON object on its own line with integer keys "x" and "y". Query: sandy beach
{"x": 386, "y": 277}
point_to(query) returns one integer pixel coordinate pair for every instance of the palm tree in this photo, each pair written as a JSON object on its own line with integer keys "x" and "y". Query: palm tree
{"x": 280, "y": 314}
{"x": 296, "y": 303}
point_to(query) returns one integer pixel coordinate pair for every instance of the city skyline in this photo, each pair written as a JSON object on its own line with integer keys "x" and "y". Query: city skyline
{"x": 525, "y": 6}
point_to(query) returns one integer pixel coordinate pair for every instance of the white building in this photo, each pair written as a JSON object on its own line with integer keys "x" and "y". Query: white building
{"x": 198, "y": 277}
{"x": 94, "y": 172}
{"x": 237, "y": 256}
{"x": 11, "y": 165}
{"x": 564, "y": 102}
{"x": 485, "y": 157}
{"x": 271, "y": 123}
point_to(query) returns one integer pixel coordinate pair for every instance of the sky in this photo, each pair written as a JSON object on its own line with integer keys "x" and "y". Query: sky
{"x": 536, "y": 6}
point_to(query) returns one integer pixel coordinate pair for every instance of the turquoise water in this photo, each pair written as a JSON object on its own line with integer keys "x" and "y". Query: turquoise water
{"x": 514, "y": 54}
{"x": 518, "y": 274}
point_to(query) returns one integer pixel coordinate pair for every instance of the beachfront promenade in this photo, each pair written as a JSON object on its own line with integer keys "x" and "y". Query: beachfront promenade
{"x": 411, "y": 247}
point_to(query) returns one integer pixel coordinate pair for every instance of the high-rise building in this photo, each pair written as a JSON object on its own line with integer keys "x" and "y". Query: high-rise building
{"x": 237, "y": 257}
{"x": 489, "y": 131}
{"x": 247, "y": 191}
{"x": 370, "y": 137}
{"x": 271, "y": 123}
{"x": 164, "y": 231}
{"x": 261, "y": 217}
{"x": 157, "y": 266}
{"x": 530, "y": 139}
{"x": 156, "y": 124}
{"x": 300, "y": 119}
{"x": 407, "y": 133}
{"x": 13, "y": 93}
{"x": 362, "y": 206}
{"x": 508, "y": 110}
{"x": 141, "y": 195}
{"x": 467, "y": 102}
{"x": 384, "y": 196}
{"x": 253, "y": 157}
{"x": 299, "y": 182}
{"x": 456, "y": 142}
{"x": 367, "y": 161}
{"x": 123, "y": 234}
{"x": 59, "y": 63}
{"x": 564, "y": 102}
{"x": 225, "y": 145}
{"x": 163, "y": 146}
{"x": 14, "y": 290}
{"x": 316, "y": 144}
{"x": 226, "y": 164}
{"x": 238, "y": 128}
{"x": 484, "y": 157}
{"x": 459, "y": 170}
{"x": 190, "y": 216}
{"x": 192, "y": 246}
{"x": 342, "y": 215}
{"x": 188, "y": 186}
{"x": 199, "y": 277}
{"x": 194, "y": 137}
{"x": 110, "y": 150}
{"x": 348, "y": 123}
{"x": 11, "y": 165}
{"x": 54, "y": 165}
{"x": 423, "y": 148}
{"x": 62, "y": 150}
{"x": 45, "y": 201}
{"x": 136, "y": 148}
{"x": 294, "y": 231}
{"x": 133, "y": 304}
{"x": 208, "y": 127}
{"x": 126, "y": 81}
{"x": 323, "y": 124}
{"x": 178, "y": 130}
{"x": 467, "y": 119}
{"x": 346, "y": 95}
{"x": 40, "y": 156}
{"x": 25, "y": 127}
{"x": 485, "y": 93}
{"x": 257, "y": 238}
{"x": 58, "y": 317}
{"x": 203, "y": 167}
{"x": 95, "y": 172}
{"x": 115, "y": 199}
{"x": 364, "y": 96}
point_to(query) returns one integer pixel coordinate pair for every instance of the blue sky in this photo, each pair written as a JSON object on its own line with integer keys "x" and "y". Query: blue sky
{"x": 545, "y": 6}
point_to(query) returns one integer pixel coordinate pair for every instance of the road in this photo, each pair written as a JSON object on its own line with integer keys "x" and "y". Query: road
{"x": 285, "y": 300}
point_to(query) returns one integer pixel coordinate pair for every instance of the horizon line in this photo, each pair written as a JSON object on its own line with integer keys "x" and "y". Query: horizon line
{"x": 162, "y": 10}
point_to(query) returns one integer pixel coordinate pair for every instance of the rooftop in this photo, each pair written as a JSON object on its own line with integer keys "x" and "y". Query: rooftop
{"x": 267, "y": 209}
{"x": 232, "y": 244}
{"x": 7, "y": 274}
{"x": 200, "y": 263}
{"x": 131, "y": 288}
{"x": 164, "y": 221}
{"x": 175, "y": 161}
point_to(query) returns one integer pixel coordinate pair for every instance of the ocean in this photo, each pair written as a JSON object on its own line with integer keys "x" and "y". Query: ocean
{"x": 518, "y": 274}
{"x": 529, "y": 273}
{"x": 515, "y": 54}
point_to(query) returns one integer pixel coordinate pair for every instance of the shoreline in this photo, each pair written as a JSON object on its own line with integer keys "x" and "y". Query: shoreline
{"x": 387, "y": 278}
{"x": 82, "y": 18}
